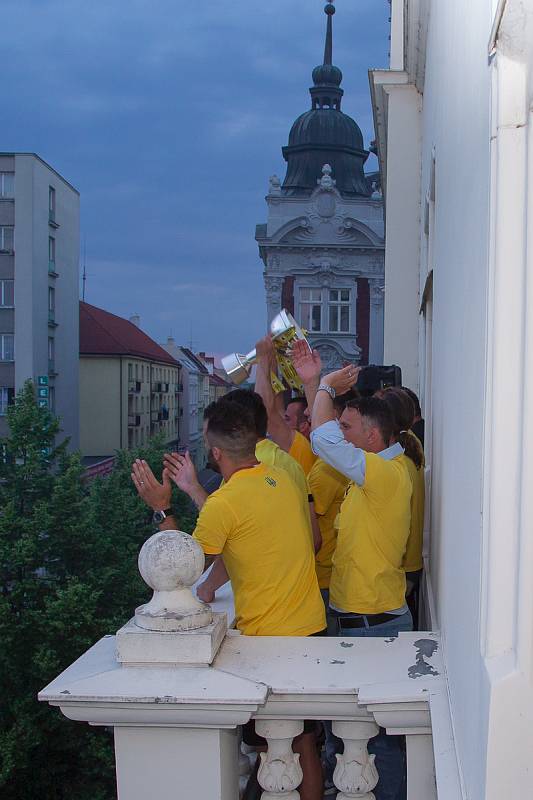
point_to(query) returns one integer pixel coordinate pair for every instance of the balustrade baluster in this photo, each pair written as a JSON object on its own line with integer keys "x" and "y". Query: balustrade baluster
{"x": 355, "y": 774}
{"x": 280, "y": 772}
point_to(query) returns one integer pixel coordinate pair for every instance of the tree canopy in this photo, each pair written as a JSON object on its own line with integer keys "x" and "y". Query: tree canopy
{"x": 68, "y": 576}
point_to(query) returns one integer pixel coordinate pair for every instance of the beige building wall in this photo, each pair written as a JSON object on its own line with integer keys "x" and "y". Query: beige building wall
{"x": 124, "y": 402}
{"x": 100, "y": 395}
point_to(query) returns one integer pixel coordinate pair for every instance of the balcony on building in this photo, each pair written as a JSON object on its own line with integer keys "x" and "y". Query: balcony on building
{"x": 134, "y": 387}
{"x": 134, "y": 420}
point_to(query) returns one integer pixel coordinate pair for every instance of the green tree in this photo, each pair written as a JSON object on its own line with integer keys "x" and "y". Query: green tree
{"x": 68, "y": 576}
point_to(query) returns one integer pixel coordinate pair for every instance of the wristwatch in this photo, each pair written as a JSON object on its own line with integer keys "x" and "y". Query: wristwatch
{"x": 324, "y": 387}
{"x": 159, "y": 516}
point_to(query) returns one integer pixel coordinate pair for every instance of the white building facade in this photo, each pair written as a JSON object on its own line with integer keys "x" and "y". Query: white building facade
{"x": 39, "y": 287}
{"x": 453, "y": 120}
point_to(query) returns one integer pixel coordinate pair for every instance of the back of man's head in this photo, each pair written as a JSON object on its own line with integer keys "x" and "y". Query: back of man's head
{"x": 375, "y": 414}
{"x": 252, "y": 402}
{"x": 231, "y": 429}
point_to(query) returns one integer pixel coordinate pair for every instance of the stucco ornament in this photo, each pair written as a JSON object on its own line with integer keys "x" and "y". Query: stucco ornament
{"x": 170, "y": 562}
{"x": 274, "y": 185}
{"x": 326, "y": 181}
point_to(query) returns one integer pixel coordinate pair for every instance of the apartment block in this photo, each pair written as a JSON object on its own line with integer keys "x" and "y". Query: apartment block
{"x": 129, "y": 386}
{"x": 39, "y": 287}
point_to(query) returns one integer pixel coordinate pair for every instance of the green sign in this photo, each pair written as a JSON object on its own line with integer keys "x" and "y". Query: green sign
{"x": 43, "y": 391}
{"x": 43, "y": 403}
{"x": 42, "y": 380}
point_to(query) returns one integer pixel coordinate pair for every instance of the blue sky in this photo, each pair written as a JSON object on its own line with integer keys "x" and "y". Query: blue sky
{"x": 169, "y": 117}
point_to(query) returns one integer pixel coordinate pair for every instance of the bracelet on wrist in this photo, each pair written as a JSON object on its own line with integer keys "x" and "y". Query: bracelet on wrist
{"x": 325, "y": 387}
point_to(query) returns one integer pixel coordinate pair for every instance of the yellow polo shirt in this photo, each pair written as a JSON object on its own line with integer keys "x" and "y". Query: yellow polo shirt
{"x": 374, "y": 522}
{"x": 328, "y": 488}
{"x": 268, "y": 452}
{"x": 300, "y": 450}
{"x": 412, "y": 560}
{"x": 257, "y": 521}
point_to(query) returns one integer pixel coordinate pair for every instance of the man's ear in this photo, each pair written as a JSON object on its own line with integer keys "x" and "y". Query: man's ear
{"x": 217, "y": 453}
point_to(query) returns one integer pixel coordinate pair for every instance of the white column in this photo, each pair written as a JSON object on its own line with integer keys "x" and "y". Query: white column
{"x": 355, "y": 774}
{"x": 375, "y": 352}
{"x": 280, "y": 772}
{"x": 168, "y": 763}
{"x": 420, "y": 767}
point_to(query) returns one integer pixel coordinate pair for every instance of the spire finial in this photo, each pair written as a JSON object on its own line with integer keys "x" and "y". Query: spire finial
{"x": 329, "y": 10}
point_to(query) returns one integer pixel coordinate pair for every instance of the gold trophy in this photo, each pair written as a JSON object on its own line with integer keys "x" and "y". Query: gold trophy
{"x": 285, "y": 330}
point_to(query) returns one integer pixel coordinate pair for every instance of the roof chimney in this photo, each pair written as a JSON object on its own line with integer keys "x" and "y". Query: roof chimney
{"x": 136, "y": 320}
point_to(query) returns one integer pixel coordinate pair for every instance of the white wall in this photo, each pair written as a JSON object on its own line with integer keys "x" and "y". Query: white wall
{"x": 456, "y": 134}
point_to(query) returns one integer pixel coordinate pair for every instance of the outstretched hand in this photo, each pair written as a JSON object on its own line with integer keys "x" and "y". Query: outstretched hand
{"x": 342, "y": 379}
{"x": 156, "y": 495}
{"x": 305, "y": 361}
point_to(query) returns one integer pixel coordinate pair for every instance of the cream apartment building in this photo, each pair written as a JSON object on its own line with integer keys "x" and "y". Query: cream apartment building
{"x": 129, "y": 386}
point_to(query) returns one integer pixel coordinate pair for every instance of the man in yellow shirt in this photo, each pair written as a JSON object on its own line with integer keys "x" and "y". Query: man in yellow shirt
{"x": 266, "y": 452}
{"x": 257, "y": 522}
{"x": 289, "y": 428}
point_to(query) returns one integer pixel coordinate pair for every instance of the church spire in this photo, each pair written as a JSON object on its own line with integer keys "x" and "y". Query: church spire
{"x": 326, "y": 92}
{"x": 329, "y": 10}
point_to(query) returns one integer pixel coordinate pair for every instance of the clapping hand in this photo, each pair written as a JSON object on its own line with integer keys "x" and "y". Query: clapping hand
{"x": 156, "y": 495}
{"x": 181, "y": 470}
{"x": 305, "y": 361}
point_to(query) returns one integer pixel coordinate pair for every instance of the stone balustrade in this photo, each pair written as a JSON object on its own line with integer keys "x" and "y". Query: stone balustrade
{"x": 175, "y": 695}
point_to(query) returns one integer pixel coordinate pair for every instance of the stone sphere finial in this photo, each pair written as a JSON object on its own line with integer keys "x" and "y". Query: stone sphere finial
{"x": 170, "y": 562}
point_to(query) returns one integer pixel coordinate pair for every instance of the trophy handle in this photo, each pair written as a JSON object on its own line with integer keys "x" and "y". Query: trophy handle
{"x": 238, "y": 367}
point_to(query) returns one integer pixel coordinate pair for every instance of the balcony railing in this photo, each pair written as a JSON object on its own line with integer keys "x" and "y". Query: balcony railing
{"x": 52, "y": 318}
{"x": 134, "y": 420}
{"x": 52, "y": 268}
{"x": 187, "y": 691}
{"x": 134, "y": 387}
{"x": 52, "y": 218}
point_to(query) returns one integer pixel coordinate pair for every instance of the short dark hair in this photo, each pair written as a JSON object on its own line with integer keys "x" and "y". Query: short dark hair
{"x": 231, "y": 428}
{"x": 303, "y": 405}
{"x": 414, "y": 398}
{"x": 250, "y": 400}
{"x": 377, "y": 413}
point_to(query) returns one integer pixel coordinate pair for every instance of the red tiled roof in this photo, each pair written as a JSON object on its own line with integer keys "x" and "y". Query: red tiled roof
{"x": 105, "y": 334}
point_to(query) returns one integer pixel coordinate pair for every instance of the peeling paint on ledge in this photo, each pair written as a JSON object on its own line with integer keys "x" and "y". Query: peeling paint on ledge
{"x": 425, "y": 648}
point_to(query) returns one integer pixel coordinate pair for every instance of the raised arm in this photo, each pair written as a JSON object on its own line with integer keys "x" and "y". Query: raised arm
{"x": 327, "y": 438}
{"x": 308, "y": 365}
{"x": 278, "y": 429}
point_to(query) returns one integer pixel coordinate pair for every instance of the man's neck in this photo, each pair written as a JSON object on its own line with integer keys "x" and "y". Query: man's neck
{"x": 232, "y": 467}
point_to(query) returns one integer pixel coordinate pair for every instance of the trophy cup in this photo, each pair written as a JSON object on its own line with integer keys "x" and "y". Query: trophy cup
{"x": 285, "y": 330}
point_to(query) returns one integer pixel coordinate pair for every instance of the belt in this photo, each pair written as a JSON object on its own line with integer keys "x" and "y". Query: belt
{"x": 359, "y": 622}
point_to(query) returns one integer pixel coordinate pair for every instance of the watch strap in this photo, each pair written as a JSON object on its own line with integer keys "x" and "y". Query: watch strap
{"x": 324, "y": 387}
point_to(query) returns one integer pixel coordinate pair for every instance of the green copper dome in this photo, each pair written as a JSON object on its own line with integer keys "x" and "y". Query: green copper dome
{"x": 325, "y": 135}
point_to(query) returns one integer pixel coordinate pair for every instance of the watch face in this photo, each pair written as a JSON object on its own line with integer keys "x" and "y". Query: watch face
{"x": 158, "y": 517}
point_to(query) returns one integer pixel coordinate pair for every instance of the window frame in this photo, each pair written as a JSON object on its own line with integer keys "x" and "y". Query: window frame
{"x": 339, "y": 304}
{"x": 3, "y": 337}
{"x": 3, "y": 193}
{"x": 3, "y": 282}
{"x": 312, "y": 303}
{"x": 3, "y": 248}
